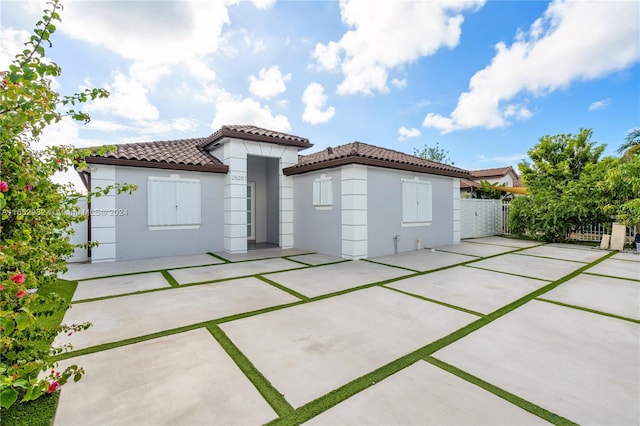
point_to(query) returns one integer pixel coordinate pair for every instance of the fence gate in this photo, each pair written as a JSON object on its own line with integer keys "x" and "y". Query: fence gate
{"x": 480, "y": 218}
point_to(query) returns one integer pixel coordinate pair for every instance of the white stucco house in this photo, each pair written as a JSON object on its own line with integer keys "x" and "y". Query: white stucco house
{"x": 244, "y": 185}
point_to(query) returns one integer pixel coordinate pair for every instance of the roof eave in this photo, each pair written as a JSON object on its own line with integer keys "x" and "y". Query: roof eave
{"x": 210, "y": 168}
{"x": 299, "y": 169}
{"x": 226, "y": 133}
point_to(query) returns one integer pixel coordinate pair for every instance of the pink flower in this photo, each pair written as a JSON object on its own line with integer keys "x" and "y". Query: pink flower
{"x": 28, "y": 187}
{"x": 53, "y": 386}
{"x": 4, "y": 186}
{"x": 17, "y": 278}
{"x": 1, "y": 287}
{"x": 21, "y": 293}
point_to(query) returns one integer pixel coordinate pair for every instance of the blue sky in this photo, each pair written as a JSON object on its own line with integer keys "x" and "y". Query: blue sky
{"x": 485, "y": 80}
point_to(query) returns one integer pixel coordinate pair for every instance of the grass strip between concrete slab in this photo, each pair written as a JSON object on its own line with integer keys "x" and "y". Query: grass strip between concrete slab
{"x": 172, "y": 281}
{"x": 593, "y": 311}
{"x": 613, "y": 276}
{"x": 508, "y": 396}
{"x": 511, "y": 273}
{"x": 417, "y": 296}
{"x": 319, "y": 405}
{"x": 297, "y": 261}
{"x": 391, "y": 266}
{"x": 283, "y": 288}
{"x": 178, "y": 285}
{"x": 219, "y": 257}
{"x": 273, "y": 397}
{"x": 551, "y": 258}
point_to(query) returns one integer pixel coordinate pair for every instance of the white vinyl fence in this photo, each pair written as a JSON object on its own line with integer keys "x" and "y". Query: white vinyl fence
{"x": 480, "y": 218}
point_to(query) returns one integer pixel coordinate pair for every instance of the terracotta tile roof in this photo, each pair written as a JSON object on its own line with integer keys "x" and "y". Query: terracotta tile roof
{"x": 362, "y": 153}
{"x": 258, "y": 134}
{"x": 466, "y": 184}
{"x": 498, "y": 171}
{"x": 181, "y": 154}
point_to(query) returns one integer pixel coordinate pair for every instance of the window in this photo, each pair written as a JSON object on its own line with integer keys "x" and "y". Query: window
{"x": 323, "y": 193}
{"x": 416, "y": 202}
{"x": 173, "y": 203}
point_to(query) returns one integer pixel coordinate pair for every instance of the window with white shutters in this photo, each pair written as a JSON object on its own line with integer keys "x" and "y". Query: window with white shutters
{"x": 416, "y": 202}
{"x": 173, "y": 203}
{"x": 323, "y": 192}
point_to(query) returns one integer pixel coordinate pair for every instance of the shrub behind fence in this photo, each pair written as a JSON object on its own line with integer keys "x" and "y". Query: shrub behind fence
{"x": 589, "y": 233}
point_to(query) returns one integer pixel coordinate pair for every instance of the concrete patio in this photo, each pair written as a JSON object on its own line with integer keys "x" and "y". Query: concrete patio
{"x": 424, "y": 337}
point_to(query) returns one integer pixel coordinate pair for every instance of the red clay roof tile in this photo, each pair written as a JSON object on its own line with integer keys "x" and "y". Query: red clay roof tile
{"x": 359, "y": 152}
{"x": 242, "y": 131}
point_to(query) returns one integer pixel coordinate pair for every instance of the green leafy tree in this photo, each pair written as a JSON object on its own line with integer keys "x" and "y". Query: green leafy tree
{"x": 488, "y": 191}
{"x": 434, "y": 153}
{"x": 621, "y": 189}
{"x": 36, "y": 216}
{"x": 631, "y": 146}
{"x": 562, "y": 182}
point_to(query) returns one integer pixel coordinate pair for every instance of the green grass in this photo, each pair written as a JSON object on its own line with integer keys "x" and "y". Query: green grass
{"x": 64, "y": 289}
{"x": 35, "y": 413}
{"x": 592, "y": 311}
{"x": 508, "y": 396}
{"x": 41, "y": 411}
{"x": 172, "y": 281}
{"x": 273, "y": 397}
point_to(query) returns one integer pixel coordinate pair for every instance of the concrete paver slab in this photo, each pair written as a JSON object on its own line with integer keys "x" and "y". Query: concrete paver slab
{"x": 627, "y": 256}
{"x": 308, "y": 350}
{"x": 136, "y": 315}
{"x": 317, "y": 259}
{"x": 475, "y": 289}
{"x": 502, "y": 241}
{"x": 565, "y": 253}
{"x": 475, "y": 249}
{"x": 81, "y": 271}
{"x": 617, "y": 268}
{"x": 423, "y": 394}
{"x": 424, "y": 260}
{"x": 185, "y": 378}
{"x": 261, "y": 254}
{"x": 611, "y": 295}
{"x": 580, "y": 365}
{"x": 530, "y": 266}
{"x": 230, "y": 270}
{"x": 119, "y": 285}
{"x": 331, "y": 278}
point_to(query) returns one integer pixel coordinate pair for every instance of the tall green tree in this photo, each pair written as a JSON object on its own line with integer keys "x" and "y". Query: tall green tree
{"x": 434, "y": 153}
{"x": 36, "y": 215}
{"x": 561, "y": 180}
{"x": 631, "y": 146}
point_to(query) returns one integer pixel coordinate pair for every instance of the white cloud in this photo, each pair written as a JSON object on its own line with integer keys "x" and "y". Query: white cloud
{"x": 399, "y": 83}
{"x": 314, "y": 101}
{"x": 263, "y": 4}
{"x": 270, "y": 82}
{"x": 146, "y": 129}
{"x": 601, "y": 104}
{"x": 161, "y": 32}
{"x": 404, "y": 133}
{"x": 572, "y": 41}
{"x": 128, "y": 99}
{"x": 235, "y": 110}
{"x": 12, "y": 42}
{"x": 386, "y": 34}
